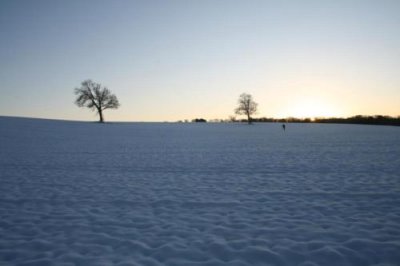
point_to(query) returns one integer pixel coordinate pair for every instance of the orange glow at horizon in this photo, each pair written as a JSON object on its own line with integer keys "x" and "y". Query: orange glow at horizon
{"x": 311, "y": 108}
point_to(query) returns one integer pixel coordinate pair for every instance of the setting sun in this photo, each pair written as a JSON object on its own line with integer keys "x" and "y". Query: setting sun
{"x": 310, "y": 108}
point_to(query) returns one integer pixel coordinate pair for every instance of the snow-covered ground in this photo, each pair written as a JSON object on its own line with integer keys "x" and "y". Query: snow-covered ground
{"x": 74, "y": 193}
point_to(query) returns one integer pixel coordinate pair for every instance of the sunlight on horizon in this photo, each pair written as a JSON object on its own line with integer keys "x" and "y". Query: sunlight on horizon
{"x": 312, "y": 108}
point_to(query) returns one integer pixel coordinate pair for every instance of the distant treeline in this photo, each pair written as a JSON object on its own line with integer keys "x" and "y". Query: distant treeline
{"x": 358, "y": 119}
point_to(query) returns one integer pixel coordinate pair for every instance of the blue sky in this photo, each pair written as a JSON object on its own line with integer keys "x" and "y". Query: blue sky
{"x": 173, "y": 60}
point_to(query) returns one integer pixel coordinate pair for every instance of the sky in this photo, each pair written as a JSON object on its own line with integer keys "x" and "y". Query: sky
{"x": 174, "y": 60}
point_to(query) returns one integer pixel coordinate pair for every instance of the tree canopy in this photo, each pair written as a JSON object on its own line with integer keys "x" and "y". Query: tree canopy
{"x": 96, "y": 97}
{"x": 246, "y": 106}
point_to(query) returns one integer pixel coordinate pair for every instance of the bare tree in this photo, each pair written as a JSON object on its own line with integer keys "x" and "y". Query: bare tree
{"x": 96, "y": 97}
{"x": 246, "y": 106}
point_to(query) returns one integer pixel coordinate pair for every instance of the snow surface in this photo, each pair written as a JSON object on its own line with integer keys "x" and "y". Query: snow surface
{"x": 75, "y": 193}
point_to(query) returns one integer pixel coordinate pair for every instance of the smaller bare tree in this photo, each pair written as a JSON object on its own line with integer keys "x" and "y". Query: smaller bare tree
{"x": 246, "y": 106}
{"x": 96, "y": 97}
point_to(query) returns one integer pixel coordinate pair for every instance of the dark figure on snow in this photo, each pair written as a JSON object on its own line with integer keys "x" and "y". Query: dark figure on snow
{"x": 283, "y": 127}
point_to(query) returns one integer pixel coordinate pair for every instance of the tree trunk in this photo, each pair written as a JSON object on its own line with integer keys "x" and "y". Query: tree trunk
{"x": 101, "y": 116}
{"x": 248, "y": 119}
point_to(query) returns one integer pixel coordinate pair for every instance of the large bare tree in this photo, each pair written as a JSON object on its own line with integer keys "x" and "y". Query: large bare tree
{"x": 96, "y": 97}
{"x": 246, "y": 106}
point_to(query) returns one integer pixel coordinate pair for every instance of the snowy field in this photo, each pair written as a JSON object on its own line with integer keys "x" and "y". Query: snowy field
{"x": 74, "y": 193}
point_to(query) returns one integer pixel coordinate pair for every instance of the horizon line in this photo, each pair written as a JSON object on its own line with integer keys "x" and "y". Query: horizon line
{"x": 213, "y": 120}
